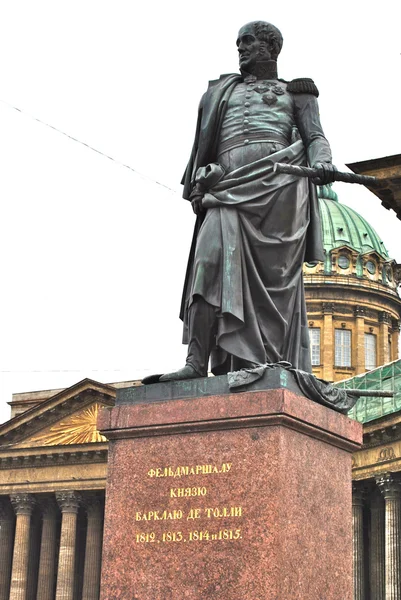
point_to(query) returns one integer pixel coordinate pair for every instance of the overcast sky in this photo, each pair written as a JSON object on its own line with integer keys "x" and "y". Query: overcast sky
{"x": 93, "y": 254}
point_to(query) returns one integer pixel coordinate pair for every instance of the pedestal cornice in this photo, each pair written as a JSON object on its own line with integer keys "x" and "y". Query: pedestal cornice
{"x": 236, "y": 411}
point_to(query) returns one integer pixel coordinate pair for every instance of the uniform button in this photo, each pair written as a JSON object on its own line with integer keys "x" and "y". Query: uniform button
{"x": 246, "y": 142}
{"x": 246, "y": 122}
{"x": 247, "y": 104}
{"x": 246, "y": 131}
{"x": 246, "y": 113}
{"x": 249, "y": 89}
{"x": 248, "y": 96}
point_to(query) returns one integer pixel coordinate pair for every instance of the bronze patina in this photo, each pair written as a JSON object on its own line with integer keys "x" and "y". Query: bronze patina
{"x": 243, "y": 302}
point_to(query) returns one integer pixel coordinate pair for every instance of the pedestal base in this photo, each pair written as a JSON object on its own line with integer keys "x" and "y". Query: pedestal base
{"x": 239, "y": 496}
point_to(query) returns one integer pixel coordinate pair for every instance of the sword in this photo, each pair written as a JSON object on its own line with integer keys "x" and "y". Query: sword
{"x": 338, "y": 175}
{"x": 370, "y": 393}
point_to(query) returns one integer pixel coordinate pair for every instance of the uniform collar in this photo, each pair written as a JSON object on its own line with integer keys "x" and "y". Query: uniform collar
{"x": 264, "y": 69}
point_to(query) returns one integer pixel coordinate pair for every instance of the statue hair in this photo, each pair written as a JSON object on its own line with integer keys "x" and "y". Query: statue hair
{"x": 266, "y": 32}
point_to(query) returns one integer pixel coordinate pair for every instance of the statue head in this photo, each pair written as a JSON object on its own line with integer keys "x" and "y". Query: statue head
{"x": 258, "y": 41}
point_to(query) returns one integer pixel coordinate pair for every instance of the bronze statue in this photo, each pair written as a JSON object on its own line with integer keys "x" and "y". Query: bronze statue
{"x": 243, "y": 302}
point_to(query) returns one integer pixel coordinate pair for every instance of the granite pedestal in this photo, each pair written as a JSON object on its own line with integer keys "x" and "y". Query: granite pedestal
{"x": 227, "y": 496}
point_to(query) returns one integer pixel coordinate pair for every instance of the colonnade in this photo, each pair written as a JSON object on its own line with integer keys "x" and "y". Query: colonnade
{"x": 50, "y": 545}
{"x": 376, "y": 511}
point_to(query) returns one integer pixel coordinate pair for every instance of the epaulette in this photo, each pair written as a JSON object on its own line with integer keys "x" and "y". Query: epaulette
{"x": 303, "y": 86}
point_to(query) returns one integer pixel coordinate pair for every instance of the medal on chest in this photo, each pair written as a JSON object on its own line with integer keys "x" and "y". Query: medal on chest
{"x": 269, "y": 92}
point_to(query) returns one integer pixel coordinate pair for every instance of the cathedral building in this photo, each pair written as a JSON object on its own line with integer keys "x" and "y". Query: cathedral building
{"x": 367, "y": 306}
{"x": 53, "y": 460}
{"x": 353, "y": 305}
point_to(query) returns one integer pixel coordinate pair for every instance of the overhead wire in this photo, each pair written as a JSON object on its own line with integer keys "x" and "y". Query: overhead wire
{"x": 118, "y": 162}
{"x": 78, "y": 141}
{"x": 60, "y": 370}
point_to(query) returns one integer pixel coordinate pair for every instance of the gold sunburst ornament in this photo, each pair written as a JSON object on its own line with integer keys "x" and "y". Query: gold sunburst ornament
{"x": 79, "y": 428}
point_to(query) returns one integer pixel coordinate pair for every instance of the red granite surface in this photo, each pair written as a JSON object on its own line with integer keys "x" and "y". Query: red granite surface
{"x": 290, "y": 474}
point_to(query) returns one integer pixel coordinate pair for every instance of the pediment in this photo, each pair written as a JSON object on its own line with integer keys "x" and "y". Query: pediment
{"x": 68, "y": 417}
{"x": 373, "y": 255}
{"x": 344, "y": 248}
{"x": 77, "y": 428}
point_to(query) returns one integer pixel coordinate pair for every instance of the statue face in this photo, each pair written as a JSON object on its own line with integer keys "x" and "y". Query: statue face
{"x": 250, "y": 49}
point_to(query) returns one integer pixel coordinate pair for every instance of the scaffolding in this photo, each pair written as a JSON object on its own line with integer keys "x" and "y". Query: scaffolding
{"x": 385, "y": 378}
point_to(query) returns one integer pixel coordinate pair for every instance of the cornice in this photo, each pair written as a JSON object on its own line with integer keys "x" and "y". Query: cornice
{"x": 53, "y": 456}
{"x": 387, "y": 423}
{"x": 382, "y": 436}
{"x": 323, "y": 291}
{"x": 388, "y": 171}
{"x": 350, "y": 282}
{"x": 380, "y": 453}
{"x": 346, "y": 312}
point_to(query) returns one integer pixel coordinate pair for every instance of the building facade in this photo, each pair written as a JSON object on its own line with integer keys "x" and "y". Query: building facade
{"x": 53, "y": 465}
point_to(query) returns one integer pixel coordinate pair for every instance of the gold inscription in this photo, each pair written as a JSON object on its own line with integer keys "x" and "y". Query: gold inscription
{"x": 158, "y": 515}
{"x": 187, "y": 492}
{"x": 185, "y": 471}
{"x": 194, "y": 513}
{"x": 191, "y": 536}
{"x": 199, "y": 513}
{"x": 225, "y": 511}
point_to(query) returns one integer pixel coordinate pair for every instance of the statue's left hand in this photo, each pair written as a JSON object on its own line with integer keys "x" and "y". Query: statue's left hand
{"x": 326, "y": 173}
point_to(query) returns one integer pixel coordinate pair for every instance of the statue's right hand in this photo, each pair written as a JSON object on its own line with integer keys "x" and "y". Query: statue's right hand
{"x": 196, "y": 203}
{"x": 196, "y": 198}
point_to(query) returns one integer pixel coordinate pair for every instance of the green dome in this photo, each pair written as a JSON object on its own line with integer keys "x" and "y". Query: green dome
{"x": 343, "y": 226}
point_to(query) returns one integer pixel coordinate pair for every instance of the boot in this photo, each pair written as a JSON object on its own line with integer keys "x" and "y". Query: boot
{"x": 202, "y": 330}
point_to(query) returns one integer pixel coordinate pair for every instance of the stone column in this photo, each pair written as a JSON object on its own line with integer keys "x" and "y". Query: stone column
{"x": 395, "y": 339}
{"x": 328, "y": 341}
{"x": 383, "y": 349}
{"x": 34, "y": 554}
{"x": 376, "y": 554}
{"x": 47, "y": 560}
{"x": 359, "y": 313}
{"x": 390, "y": 489}
{"x": 93, "y": 550}
{"x": 6, "y": 546}
{"x": 23, "y": 506}
{"x": 68, "y": 502}
{"x": 357, "y": 541}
